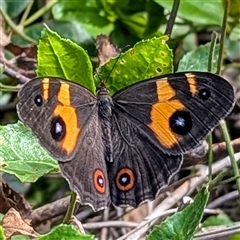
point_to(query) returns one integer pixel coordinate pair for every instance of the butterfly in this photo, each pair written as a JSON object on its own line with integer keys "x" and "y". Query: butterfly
{"x": 123, "y": 149}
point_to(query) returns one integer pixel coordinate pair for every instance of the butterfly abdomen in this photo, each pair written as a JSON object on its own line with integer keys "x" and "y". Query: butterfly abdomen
{"x": 105, "y": 114}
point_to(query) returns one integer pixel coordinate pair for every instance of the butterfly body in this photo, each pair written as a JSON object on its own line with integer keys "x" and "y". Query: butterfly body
{"x": 105, "y": 105}
{"x": 123, "y": 148}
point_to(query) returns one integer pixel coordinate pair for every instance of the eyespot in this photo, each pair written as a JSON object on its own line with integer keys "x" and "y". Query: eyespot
{"x": 58, "y": 128}
{"x": 204, "y": 94}
{"x": 99, "y": 181}
{"x": 125, "y": 179}
{"x": 181, "y": 122}
{"x": 38, "y": 100}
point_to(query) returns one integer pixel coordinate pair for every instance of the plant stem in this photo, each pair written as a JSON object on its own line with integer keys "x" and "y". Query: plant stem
{"x": 210, "y": 57}
{"x": 231, "y": 153}
{"x": 15, "y": 28}
{"x": 223, "y": 36}
{"x": 40, "y": 12}
{"x": 71, "y": 208}
{"x": 26, "y": 12}
{"x": 172, "y": 18}
{"x": 212, "y": 50}
{"x": 222, "y": 122}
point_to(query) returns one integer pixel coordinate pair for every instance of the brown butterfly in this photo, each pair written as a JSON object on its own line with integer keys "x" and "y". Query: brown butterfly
{"x": 123, "y": 148}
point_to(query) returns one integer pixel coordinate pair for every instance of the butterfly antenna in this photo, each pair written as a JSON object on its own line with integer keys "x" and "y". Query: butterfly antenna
{"x": 117, "y": 59}
{"x": 99, "y": 76}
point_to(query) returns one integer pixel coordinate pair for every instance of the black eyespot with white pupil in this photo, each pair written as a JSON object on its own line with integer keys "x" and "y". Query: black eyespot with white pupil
{"x": 124, "y": 179}
{"x": 58, "y": 128}
{"x": 181, "y": 122}
{"x": 38, "y": 100}
{"x": 204, "y": 94}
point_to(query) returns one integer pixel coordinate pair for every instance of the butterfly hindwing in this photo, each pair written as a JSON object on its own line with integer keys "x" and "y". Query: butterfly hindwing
{"x": 86, "y": 173}
{"x": 140, "y": 168}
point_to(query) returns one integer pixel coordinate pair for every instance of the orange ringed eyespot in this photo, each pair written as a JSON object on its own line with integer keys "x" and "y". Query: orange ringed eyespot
{"x": 125, "y": 179}
{"x": 99, "y": 181}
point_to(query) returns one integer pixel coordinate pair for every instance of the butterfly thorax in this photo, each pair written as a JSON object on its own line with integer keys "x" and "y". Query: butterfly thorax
{"x": 105, "y": 105}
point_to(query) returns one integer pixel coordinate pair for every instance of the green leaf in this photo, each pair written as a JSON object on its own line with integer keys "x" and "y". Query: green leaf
{"x": 1, "y": 69}
{"x": 5, "y": 97}
{"x": 221, "y": 219}
{"x": 234, "y": 10}
{"x": 2, "y": 237}
{"x": 197, "y": 60}
{"x": 146, "y": 59}
{"x": 90, "y": 15}
{"x": 22, "y": 155}
{"x": 232, "y": 49}
{"x": 123, "y": 38}
{"x": 234, "y": 237}
{"x": 71, "y": 30}
{"x": 155, "y": 18}
{"x": 65, "y": 59}
{"x": 20, "y": 237}
{"x": 62, "y": 232}
{"x": 235, "y": 33}
{"x": 135, "y": 23}
{"x": 14, "y": 8}
{"x": 198, "y": 12}
{"x": 3, "y": 5}
{"x": 141, "y": 18}
{"x": 182, "y": 225}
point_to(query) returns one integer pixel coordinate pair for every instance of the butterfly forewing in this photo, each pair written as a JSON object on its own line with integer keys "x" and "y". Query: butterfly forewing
{"x": 56, "y": 112}
{"x": 176, "y": 111}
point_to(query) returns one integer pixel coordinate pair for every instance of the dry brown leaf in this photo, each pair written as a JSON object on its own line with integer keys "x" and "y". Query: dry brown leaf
{"x": 105, "y": 49}
{"x": 25, "y": 56}
{"x": 13, "y": 224}
{"x": 11, "y": 199}
{"x": 4, "y": 39}
{"x": 77, "y": 224}
{"x": 136, "y": 215}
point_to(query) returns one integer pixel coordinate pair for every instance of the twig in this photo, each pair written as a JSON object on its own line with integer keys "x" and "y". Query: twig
{"x": 118, "y": 224}
{"x": 15, "y": 28}
{"x": 231, "y": 153}
{"x": 172, "y": 18}
{"x": 223, "y": 36}
{"x": 108, "y": 224}
{"x": 104, "y": 230}
{"x": 223, "y": 199}
{"x": 26, "y": 12}
{"x": 219, "y": 152}
{"x": 12, "y": 71}
{"x": 218, "y": 234}
{"x": 49, "y": 211}
{"x": 71, "y": 208}
{"x": 16, "y": 75}
{"x": 40, "y": 12}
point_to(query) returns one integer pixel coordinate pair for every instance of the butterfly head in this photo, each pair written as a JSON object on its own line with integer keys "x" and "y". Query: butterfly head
{"x": 102, "y": 89}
